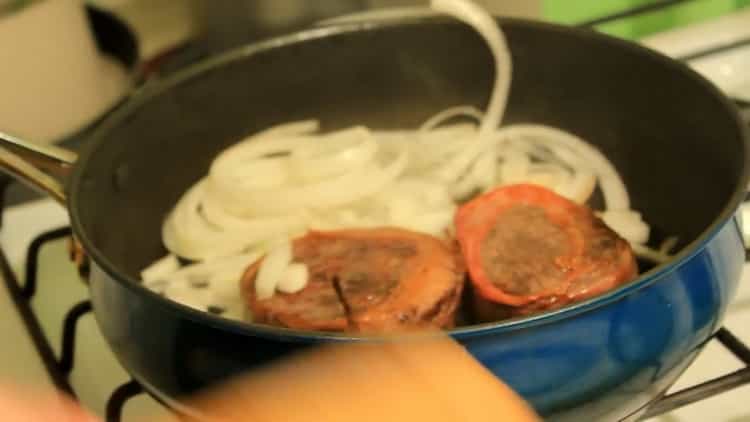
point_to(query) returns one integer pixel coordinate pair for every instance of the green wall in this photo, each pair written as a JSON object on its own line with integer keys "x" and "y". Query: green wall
{"x": 572, "y": 11}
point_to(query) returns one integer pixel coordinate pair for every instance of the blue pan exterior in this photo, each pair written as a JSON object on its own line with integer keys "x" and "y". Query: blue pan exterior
{"x": 606, "y": 362}
{"x": 600, "y": 360}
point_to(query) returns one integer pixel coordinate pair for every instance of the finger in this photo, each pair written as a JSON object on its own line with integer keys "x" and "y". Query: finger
{"x": 410, "y": 380}
{"x": 19, "y": 404}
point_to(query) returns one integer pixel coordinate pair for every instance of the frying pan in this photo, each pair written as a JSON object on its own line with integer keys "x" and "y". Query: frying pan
{"x": 677, "y": 142}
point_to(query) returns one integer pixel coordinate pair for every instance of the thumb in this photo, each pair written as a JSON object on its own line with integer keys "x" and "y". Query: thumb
{"x": 19, "y": 404}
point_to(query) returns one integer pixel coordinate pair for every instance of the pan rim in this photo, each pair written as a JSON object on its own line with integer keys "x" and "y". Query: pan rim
{"x": 149, "y": 91}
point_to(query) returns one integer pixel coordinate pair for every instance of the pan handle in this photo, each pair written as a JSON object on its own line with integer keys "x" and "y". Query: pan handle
{"x": 42, "y": 167}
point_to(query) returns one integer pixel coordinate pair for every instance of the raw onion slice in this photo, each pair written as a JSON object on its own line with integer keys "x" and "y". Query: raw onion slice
{"x": 160, "y": 269}
{"x": 613, "y": 188}
{"x": 294, "y": 279}
{"x": 451, "y": 113}
{"x": 272, "y": 269}
{"x": 334, "y": 155}
{"x": 485, "y": 25}
{"x": 335, "y": 191}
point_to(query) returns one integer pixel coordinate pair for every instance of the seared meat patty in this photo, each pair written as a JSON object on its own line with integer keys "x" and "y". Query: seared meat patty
{"x": 370, "y": 280}
{"x": 529, "y": 249}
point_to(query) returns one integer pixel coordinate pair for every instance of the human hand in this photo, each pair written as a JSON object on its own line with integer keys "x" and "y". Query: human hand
{"x": 25, "y": 405}
{"x": 404, "y": 380}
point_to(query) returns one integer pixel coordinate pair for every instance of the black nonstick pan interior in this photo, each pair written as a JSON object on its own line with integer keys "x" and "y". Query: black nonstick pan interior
{"x": 670, "y": 137}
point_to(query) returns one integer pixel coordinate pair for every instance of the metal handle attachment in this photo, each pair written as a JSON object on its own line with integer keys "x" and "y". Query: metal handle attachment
{"x": 42, "y": 167}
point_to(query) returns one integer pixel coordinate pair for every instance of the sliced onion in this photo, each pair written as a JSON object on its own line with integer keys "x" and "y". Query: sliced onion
{"x": 272, "y": 269}
{"x": 160, "y": 269}
{"x": 190, "y": 233}
{"x": 208, "y": 269}
{"x": 185, "y": 295}
{"x": 551, "y": 176}
{"x": 627, "y": 224}
{"x": 515, "y": 168}
{"x": 451, "y": 113}
{"x": 613, "y": 188}
{"x": 335, "y": 154}
{"x": 458, "y": 165}
{"x": 253, "y": 229}
{"x": 256, "y": 165}
{"x": 436, "y": 223}
{"x": 301, "y": 127}
{"x": 668, "y": 244}
{"x": 284, "y": 130}
{"x": 335, "y": 191}
{"x": 485, "y": 172}
{"x": 581, "y": 187}
{"x": 653, "y": 255}
{"x": 436, "y": 148}
{"x": 485, "y": 25}
{"x": 224, "y": 282}
{"x": 294, "y": 279}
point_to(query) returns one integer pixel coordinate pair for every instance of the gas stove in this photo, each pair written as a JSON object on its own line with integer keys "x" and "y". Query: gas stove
{"x": 57, "y": 344}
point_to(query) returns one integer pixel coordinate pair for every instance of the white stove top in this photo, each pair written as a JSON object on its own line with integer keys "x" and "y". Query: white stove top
{"x": 96, "y": 373}
{"x": 729, "y": 69}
